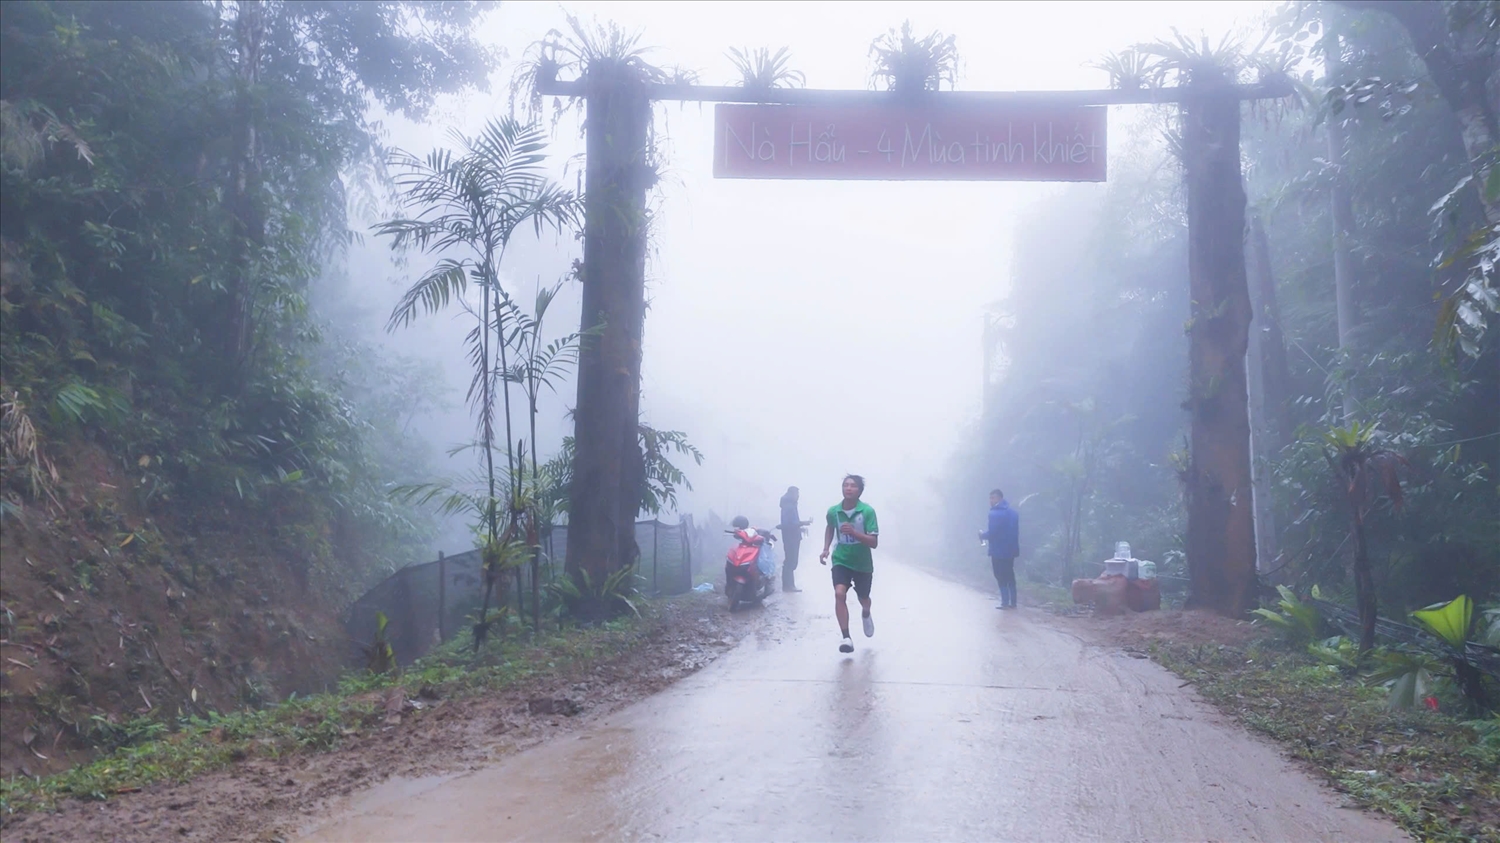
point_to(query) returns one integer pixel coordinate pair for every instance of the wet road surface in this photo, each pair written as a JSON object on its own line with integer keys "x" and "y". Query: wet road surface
{"x": 955, "y": 722}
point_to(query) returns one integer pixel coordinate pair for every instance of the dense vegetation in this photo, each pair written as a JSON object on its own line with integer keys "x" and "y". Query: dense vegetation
{"x": 1380, "y": 327}
{"x": 177, "y": 179}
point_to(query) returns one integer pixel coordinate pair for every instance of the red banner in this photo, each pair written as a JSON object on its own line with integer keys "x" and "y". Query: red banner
{"x": 964, "y": 143}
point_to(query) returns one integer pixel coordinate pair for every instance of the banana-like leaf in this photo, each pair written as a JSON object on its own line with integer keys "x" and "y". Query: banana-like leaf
{"x": 1409, "y": 688}
{"x": 1408, "y": 675}
{"x": 1449, "y": 621}
{"x": 1491, "y": 636}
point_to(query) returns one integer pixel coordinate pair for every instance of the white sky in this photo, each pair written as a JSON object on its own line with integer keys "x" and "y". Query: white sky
{"x": 799, "y": 330}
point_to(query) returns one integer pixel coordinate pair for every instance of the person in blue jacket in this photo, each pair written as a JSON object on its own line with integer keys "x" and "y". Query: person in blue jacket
{"x": 1004, "y": 538}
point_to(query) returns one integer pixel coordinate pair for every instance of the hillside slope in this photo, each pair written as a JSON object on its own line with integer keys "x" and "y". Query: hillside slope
{"x": 112, "y": 619}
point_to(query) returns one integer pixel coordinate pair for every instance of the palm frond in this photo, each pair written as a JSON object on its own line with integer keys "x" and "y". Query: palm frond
{"x": 760, "y": 69}
{"x": 906, "y": 64}
{"x": 1187, "y": 58}
{"x": 603, "y": 46}
{"x": 1131, "y": 70}
{"x": 448, "y": 279}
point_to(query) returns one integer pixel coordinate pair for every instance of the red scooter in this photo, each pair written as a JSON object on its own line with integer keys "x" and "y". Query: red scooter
{"x": 743, "y": 580}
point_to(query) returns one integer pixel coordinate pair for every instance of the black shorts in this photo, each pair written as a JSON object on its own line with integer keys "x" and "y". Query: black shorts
{"x": 848, "y": 576}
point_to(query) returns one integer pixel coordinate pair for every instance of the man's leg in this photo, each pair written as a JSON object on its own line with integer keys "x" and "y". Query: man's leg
{"x": 841, "y": 612}
{"x": 997, "y": 566}
{"x": 862, "y": 588}
{"x": 788, "y": 580}
{"x": 1008, "y": 587}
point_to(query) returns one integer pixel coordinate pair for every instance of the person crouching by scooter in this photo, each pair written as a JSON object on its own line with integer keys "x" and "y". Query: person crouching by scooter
{"x": 750, "y": 566}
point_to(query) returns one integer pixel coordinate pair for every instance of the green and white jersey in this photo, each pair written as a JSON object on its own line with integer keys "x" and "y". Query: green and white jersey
{"x": 847, "y": 551}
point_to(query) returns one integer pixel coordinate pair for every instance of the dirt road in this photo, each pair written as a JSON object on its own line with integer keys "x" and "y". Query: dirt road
{"x": 955, "y": 722}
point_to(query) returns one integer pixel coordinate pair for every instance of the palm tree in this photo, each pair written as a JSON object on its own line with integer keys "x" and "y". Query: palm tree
{"x": 905, "y": 64}
{"x": 539, "y": 365}
{"x": 760, "y": 69}
{"x": 473, "y": 203}
{"x": 1367, "y": 473}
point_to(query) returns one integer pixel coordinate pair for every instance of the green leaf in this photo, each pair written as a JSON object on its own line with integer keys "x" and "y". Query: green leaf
{"x": 1271, "y": 617}
{"x": 1408, "y": 675}
{"x": 1448, "y": 198}
{"x": 1409, "y": 688}
{"x": 1449, "y": 621}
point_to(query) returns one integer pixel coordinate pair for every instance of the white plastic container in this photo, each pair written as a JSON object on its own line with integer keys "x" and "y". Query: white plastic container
{"x": 1146, "y": 570}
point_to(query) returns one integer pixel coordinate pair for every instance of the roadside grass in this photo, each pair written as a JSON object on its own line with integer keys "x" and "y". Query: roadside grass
{"x": 1434, "y": 774}
{"x": 151, "y": 751}
{"x": 1047, "y": 596}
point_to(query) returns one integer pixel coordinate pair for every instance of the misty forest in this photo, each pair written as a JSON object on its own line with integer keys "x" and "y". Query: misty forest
{"x": 380, "y": 382}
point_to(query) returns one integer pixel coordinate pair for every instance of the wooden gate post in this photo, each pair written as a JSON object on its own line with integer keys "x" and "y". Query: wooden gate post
{"x": 442, "y": 598}
{"x": 1220, "y": 520}
{"x": 601, "y": 535}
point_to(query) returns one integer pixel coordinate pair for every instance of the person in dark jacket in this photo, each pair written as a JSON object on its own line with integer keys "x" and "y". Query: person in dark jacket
{"x": 1004, "y": 538}
{"x": 792, "y": 530}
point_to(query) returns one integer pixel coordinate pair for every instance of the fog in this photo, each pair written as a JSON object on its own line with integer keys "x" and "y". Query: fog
{"x": 796, "y": 330}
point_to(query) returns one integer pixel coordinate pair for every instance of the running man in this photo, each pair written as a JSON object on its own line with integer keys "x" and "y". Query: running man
{"x": 853, "y": 522}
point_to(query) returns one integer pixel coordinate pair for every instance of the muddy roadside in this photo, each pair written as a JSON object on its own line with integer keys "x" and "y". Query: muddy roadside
{"x": 415, "y": 732}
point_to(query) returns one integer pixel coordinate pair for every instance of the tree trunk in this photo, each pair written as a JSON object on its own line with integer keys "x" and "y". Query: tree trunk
{"x": 1465, "y": 71}
{"x": 1220, "y": 529}
{"x": 1341, "y": 211}
{"x": 614, "y": 260}
{"x": 1266, "y": 406}
{"x": 534, "y": 534}
{"x": 1260, "y": 456}
{"x": 991, "y": 342}
{"x": 1067, "y": 536}
{"x": 1275, "y": 371}
{"x": 1364, "y": 584}
{"x": 244, "y": 199}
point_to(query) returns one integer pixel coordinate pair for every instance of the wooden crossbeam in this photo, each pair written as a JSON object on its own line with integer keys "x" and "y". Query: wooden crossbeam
{"x": 1275, "y": 89}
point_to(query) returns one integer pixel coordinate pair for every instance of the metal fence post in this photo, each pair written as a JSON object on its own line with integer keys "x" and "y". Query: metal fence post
{"x": 687, "y": 548}
{"x": 687, "y": 553}
{"x": 442, "y": 598}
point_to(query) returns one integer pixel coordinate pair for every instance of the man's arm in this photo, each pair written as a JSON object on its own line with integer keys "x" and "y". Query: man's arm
{"x": 870, "y": 539}
{"x": 827, "y": 542}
